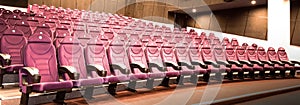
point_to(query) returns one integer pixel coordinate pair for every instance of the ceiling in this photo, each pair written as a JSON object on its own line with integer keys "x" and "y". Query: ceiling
{"x": 222, "y": 6}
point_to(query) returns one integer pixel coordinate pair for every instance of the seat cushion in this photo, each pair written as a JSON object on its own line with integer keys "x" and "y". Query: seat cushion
{"x": 268, "y": 67}
{"x": 288, "y": 67}
{"x": 235, "y": 68}
{"x": 88, "y": 82}
{"x": 247, "y": 68}
{"x": 156, "y": 75}
{"x": 278, "y": 67}
{"x": 172, "y": 73}
{"x": 50, "y": 86}
{"x": 297, "y": 67}
{"x": 186, "y": 72}
{"x": 224, "y": 69}
{"x": 138, "y": 76}
{"x": 118, "y": 78}
{"x": 257, "y": 68}
{"x": 212, "y": 69}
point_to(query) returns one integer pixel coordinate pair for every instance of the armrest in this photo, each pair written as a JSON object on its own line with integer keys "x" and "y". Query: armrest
{"x": 296, "y": 62}
{"x": 98, "y": 68}
{"x": 71, "y": 71}
{"x": 224, "y": 63}
{"x": 187, "y": 65}
{"x": 257, "y": 62}
{"x": 141, "y": 67}
{"x": 278, "y": 62}
{"x": 32, "y": 72}
{"x": 156, "y": 65}
{"x": 268, "y": 62}
{"x": 212, "y": 63}
{"x": 288, "y": 62}
{"x": 199, "y": 63}
{"x": 246, "y": 62}
{"x": 235, "y": 62}
{"x": 5, "y": 59}
{"x": 173, "y": 65}
{"x": 122, "y": 68}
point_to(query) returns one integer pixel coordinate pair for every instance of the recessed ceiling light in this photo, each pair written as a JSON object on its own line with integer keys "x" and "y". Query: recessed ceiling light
{"x": 194, "y": 10}
{"x": 253, "y": 2}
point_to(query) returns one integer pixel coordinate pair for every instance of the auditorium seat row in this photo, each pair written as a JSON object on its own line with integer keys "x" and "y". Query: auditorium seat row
{"x": 82, "y": 54}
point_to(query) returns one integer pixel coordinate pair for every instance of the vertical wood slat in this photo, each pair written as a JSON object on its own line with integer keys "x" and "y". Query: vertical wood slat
{"x": 97, "y": 5}
{"x": 83, "y": 4}
{"x": 130, "y": 8}
{"x": 39, "y": 2}
{"x": 121, "y": 5}
{"x": 110, "y": 6}
{"x": 69, "y": 4}
{"x": 55, "y": 3}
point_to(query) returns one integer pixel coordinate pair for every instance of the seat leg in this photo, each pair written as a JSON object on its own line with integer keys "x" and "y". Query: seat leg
{"x": 292, "y": 73}
{"x": 230, "y": 75}
{"x": 165, "y": 82}
{"x": 88, "y": 94}
{"x": 24, "y": 99}
{"x": 112, "y": 89}
{"x": 282, "y": 73}
{"x": 179, "y": 80}
{"x": 149, "y": 83}
{"x": 1, "y": 81}
{"x": 131, "y": 86}
{"x": 60, "y": 98}
{"x": 252, "y": 75}
{"x": 241, "y": 75}
{"x": 206, "y": 77}
{"x": 262, "y": 74}
{"x": 194, "y": 78}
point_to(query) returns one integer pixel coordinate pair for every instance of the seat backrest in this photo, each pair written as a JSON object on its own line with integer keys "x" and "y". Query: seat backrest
{"x": 24, "y": 15}
{"x": 219, "y": 53}
{"x": 254, "y": 45}
{"x": 41, "y": 54}
{"x": 84, "y": 39}
{"x": 33, "y": 22}
{"x": 182, "y": 53}
{"x": 117, "y": 55}
{"x": 60, "y": 33}
{"x": 51, "y": 23}
{"x": 194, "y": 52}
{"x": 6, "y": 14}
{"x": 44, "y": 27}
{"x": 95, "y": 53}
{"x": 78, "y": 31}
{"x": 261, "y": 54}
{"x": 3, "y": 26}
{"x": 230, "y": 53}
{"x": 153, "y": 54}
{"x": 225, "y": 41}
{"x": 282, "y": 55}
{"x": 207, "y": 53}
{"x": 136, "y": 55}
{"x": 241, "y": 53}
{"x": 245, "y": 45}
{"x": 12, "y": 43}
{"x": 167, "y": 53}
{"x": 70, "y": 53}
{"x": 13, "y": 19}
{"x": 109, "y": 34}
{"x": 94, "y": 32}
{"x": 252, "y": 54}
{"x": 234, "y": 42}
{"x": 272, "y": 55}
{"x": 24, "y": 27}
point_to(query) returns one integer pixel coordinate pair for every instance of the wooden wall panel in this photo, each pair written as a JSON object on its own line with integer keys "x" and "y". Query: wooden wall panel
{"x": 121, "y": 4}
{"x": 296, "y": 34}
{"x": 158, "y": 11}
{"x": 55, "y": 3}
{"x": 69, "y": 4}
{"x": 236, "y": 25}
{"x": 40, "y": 2}
{"x": 203, "y": 21}
{"x": 97, "y": 5}
{"x": 148, "y": 10}
{"x": 130, "y": 8}
{"x": 218, "y": 22}
{"x": 139, "y": 9}
{"x": 84, "y": 4}
{"x": 172, "y": 3}
{"x": 111, "y": 6}
{"x": 256, "y": 28}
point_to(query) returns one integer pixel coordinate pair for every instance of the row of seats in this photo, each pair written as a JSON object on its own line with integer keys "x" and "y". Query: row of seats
{"x": 62, "y": 62}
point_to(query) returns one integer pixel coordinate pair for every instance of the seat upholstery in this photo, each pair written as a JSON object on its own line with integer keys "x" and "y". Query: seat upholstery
{"x": 182, "y": 56}
{"x": 207, "y": 55}
{"x": 231, "y": 56}
{"x": 253, "y": 56}
{"x": 24, "y": 27}
{"x": 153, "y": 56}
{"x": 242, "y": 56}
{"x": 167, "y": 53}
{"x": 272, "y": 55}
{"x": 13, "y": 19}
{"x": 70, "y": 53}
{"x": 41, "y": 54}
{"x": 3, "y": 26}
{"x": 262, "y": 56}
